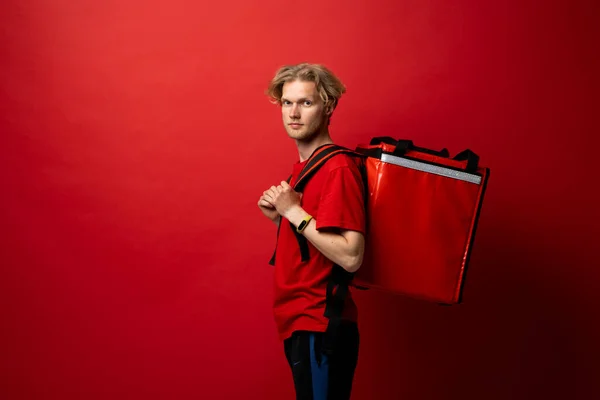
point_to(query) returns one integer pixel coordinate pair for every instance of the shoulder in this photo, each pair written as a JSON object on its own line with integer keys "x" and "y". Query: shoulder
{"x": 343, "y": 161}
{"x": 344, "y": 170}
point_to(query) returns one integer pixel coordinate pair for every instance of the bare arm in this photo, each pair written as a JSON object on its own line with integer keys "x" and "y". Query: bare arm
{"x": 346, "y": 249}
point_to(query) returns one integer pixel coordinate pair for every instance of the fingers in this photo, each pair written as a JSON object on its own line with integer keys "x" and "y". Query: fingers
{"x": 274, "y": 190}
{"x": 264, "y": 203}
{"x": 286, "y": 187}
{"x": 270, "y": 193}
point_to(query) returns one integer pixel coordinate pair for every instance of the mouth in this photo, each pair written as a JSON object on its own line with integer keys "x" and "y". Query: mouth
{"x": 295, "y": 125}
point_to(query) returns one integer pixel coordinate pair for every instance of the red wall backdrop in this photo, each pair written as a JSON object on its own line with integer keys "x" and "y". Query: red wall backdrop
{"x": 136, "y": 140}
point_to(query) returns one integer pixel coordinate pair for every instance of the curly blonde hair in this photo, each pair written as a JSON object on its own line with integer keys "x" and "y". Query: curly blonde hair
{"x": 329, "y": 87}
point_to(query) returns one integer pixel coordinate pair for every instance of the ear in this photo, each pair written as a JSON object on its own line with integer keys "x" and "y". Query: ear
{"x": 329, "y": 109}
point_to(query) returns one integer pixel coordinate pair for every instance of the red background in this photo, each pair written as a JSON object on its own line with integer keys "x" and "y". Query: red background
{"x": 136, "y": 140}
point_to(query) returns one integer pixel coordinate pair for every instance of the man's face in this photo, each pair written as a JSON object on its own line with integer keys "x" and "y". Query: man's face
{"x": 302, "y": 109}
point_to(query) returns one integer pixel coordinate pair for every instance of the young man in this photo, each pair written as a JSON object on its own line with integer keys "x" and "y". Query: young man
{"x": 333, "y": 204}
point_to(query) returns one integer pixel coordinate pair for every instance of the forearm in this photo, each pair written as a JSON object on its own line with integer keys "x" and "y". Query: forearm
{"x": 333, "y": 245}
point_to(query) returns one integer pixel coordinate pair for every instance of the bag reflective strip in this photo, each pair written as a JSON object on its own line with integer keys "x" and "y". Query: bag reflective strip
{"x": 434, "y": 169}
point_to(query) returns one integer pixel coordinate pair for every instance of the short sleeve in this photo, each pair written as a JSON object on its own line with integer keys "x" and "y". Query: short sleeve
{"x": 342, "y": 201}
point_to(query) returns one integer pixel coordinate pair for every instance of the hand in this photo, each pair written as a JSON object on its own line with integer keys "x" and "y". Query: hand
{"x": 283, "y": 198}
{"x": 267, "y": 208}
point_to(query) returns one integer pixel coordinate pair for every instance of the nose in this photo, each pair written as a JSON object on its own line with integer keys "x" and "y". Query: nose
{"x": 294, "y": 111}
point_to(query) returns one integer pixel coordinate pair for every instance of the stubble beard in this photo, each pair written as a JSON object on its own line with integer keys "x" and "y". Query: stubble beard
{"x": 306, "y": 133}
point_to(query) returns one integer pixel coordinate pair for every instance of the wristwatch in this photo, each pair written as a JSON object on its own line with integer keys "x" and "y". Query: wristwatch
{"x": 304, "y": 224}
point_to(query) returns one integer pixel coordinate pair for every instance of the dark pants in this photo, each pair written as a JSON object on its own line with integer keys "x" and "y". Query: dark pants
{"x": 318, "y": 376}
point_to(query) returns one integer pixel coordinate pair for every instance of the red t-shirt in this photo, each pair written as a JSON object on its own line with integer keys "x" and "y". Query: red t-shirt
{"x": 334, "y": 197}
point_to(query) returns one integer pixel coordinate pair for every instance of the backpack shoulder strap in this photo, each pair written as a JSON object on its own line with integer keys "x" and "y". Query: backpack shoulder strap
{"x": 319, "y": 157}
{"x": 316, "y": 160}
{"x": 272, "y": 261}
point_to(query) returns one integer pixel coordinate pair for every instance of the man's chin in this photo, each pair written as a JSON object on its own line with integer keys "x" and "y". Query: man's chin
{"x": 298, "y": 135}
{"x": 302, "y": 135}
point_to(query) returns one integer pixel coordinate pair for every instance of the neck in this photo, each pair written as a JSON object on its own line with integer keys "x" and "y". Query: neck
{"x": 307, "y": 147}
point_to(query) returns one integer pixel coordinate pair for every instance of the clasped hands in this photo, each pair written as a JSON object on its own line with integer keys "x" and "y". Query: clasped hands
{"x": 282, "y": 198}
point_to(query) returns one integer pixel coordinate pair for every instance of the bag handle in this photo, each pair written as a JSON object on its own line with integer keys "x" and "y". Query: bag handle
{"x": 402, "y": 145}
{"x": 470, "y": 157}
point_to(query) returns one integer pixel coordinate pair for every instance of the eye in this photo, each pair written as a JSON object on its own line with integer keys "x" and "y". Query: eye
{"x": 285, "y": 102}
{"x": 308, "y": 103}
